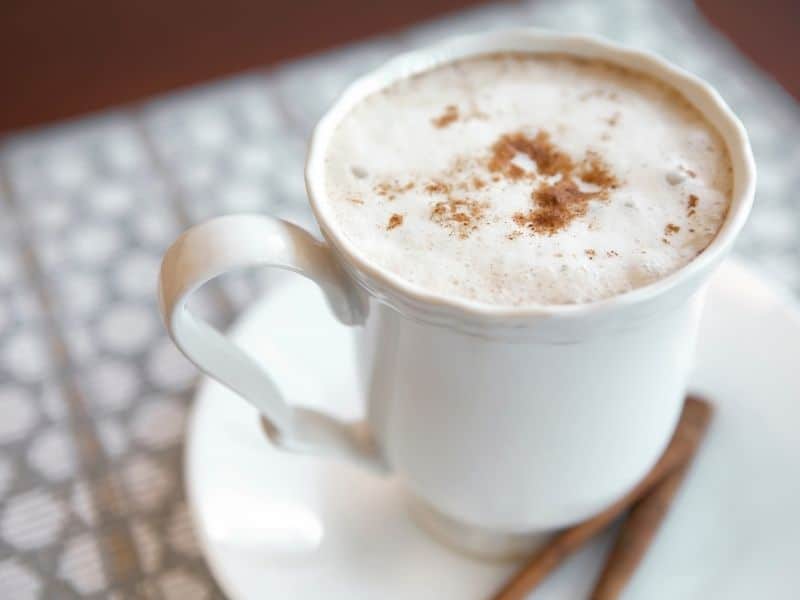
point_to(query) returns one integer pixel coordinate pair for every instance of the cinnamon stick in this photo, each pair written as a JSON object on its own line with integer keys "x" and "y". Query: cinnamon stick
{"x": 691, "y": 427}
{"x": 637, "y": 533}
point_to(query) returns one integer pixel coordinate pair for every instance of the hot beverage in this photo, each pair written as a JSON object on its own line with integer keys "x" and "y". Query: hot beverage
{"x": 519, "y": 179}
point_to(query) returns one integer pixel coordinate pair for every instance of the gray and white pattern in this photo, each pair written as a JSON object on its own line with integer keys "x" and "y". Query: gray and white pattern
{"x": 93, "y": 396}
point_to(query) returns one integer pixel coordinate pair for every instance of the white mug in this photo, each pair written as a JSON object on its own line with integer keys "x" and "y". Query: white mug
{"x": 502, "y": 422}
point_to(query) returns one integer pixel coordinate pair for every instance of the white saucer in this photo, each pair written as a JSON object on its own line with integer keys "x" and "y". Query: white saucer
{"x": 280, "y": 526}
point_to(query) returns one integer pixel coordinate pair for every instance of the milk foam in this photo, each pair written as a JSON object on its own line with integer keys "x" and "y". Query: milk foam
{"x": 415, "y": 181}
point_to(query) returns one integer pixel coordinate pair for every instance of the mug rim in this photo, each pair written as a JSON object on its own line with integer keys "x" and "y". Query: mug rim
{"x": 398, "y": 292}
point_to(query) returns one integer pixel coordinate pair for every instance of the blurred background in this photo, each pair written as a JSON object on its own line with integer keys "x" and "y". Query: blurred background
{"x": 125, "y": 122}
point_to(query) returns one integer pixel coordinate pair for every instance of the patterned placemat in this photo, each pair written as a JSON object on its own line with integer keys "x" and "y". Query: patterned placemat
{"x": 93, "y": 396}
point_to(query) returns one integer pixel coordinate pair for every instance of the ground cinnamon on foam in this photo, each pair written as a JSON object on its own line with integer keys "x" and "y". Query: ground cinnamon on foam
{"x": 449, "y": 116}
{"x": 556, "y": 205}
{"x": 394, "y": 221}
{"x": 548, "y": 158}
{"x": 390, "y": 189}
{"x": 438, "y": 187}
{"x": 460, "y": 216}
{"x": 692, "y": 204}
{"x": 594, "y": 171}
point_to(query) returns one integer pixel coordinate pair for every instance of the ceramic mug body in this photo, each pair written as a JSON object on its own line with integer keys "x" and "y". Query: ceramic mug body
{"x": 522, "y": 436}
{"x": 505, "y": 420}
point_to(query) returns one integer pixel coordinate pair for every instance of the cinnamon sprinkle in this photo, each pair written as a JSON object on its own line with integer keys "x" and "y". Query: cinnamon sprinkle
{"x": 438, "y": 187}
{"x": 590, "y": 252}
{"x": 548, "y": 158}
{"x": 556, "y": 201}
{"x": 515, "y": 171}
{"x": 460, "y": 216}
{"x": 394, "y": 221}
{"x": 596, "y": 172}
{"x": 450, "y": 115}
{"x": 556, "y": 206}
{"x": 390, "y": 189}
{"x": 671, "y": 229}
{"x": 692, "y": 204}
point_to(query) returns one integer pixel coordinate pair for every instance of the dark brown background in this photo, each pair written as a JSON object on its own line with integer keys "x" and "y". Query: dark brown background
{"x": 60, "y": 59}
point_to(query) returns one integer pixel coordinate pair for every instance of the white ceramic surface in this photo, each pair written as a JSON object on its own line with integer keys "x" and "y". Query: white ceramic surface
{"x": 464, "y": 399}
{"x": 277, "y": 525}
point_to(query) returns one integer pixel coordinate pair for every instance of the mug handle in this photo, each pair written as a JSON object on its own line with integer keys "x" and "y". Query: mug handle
{"x": 236, "y": 242}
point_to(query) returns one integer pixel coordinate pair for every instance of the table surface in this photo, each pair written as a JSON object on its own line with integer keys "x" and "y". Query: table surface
{"x": 93, "y": 396}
